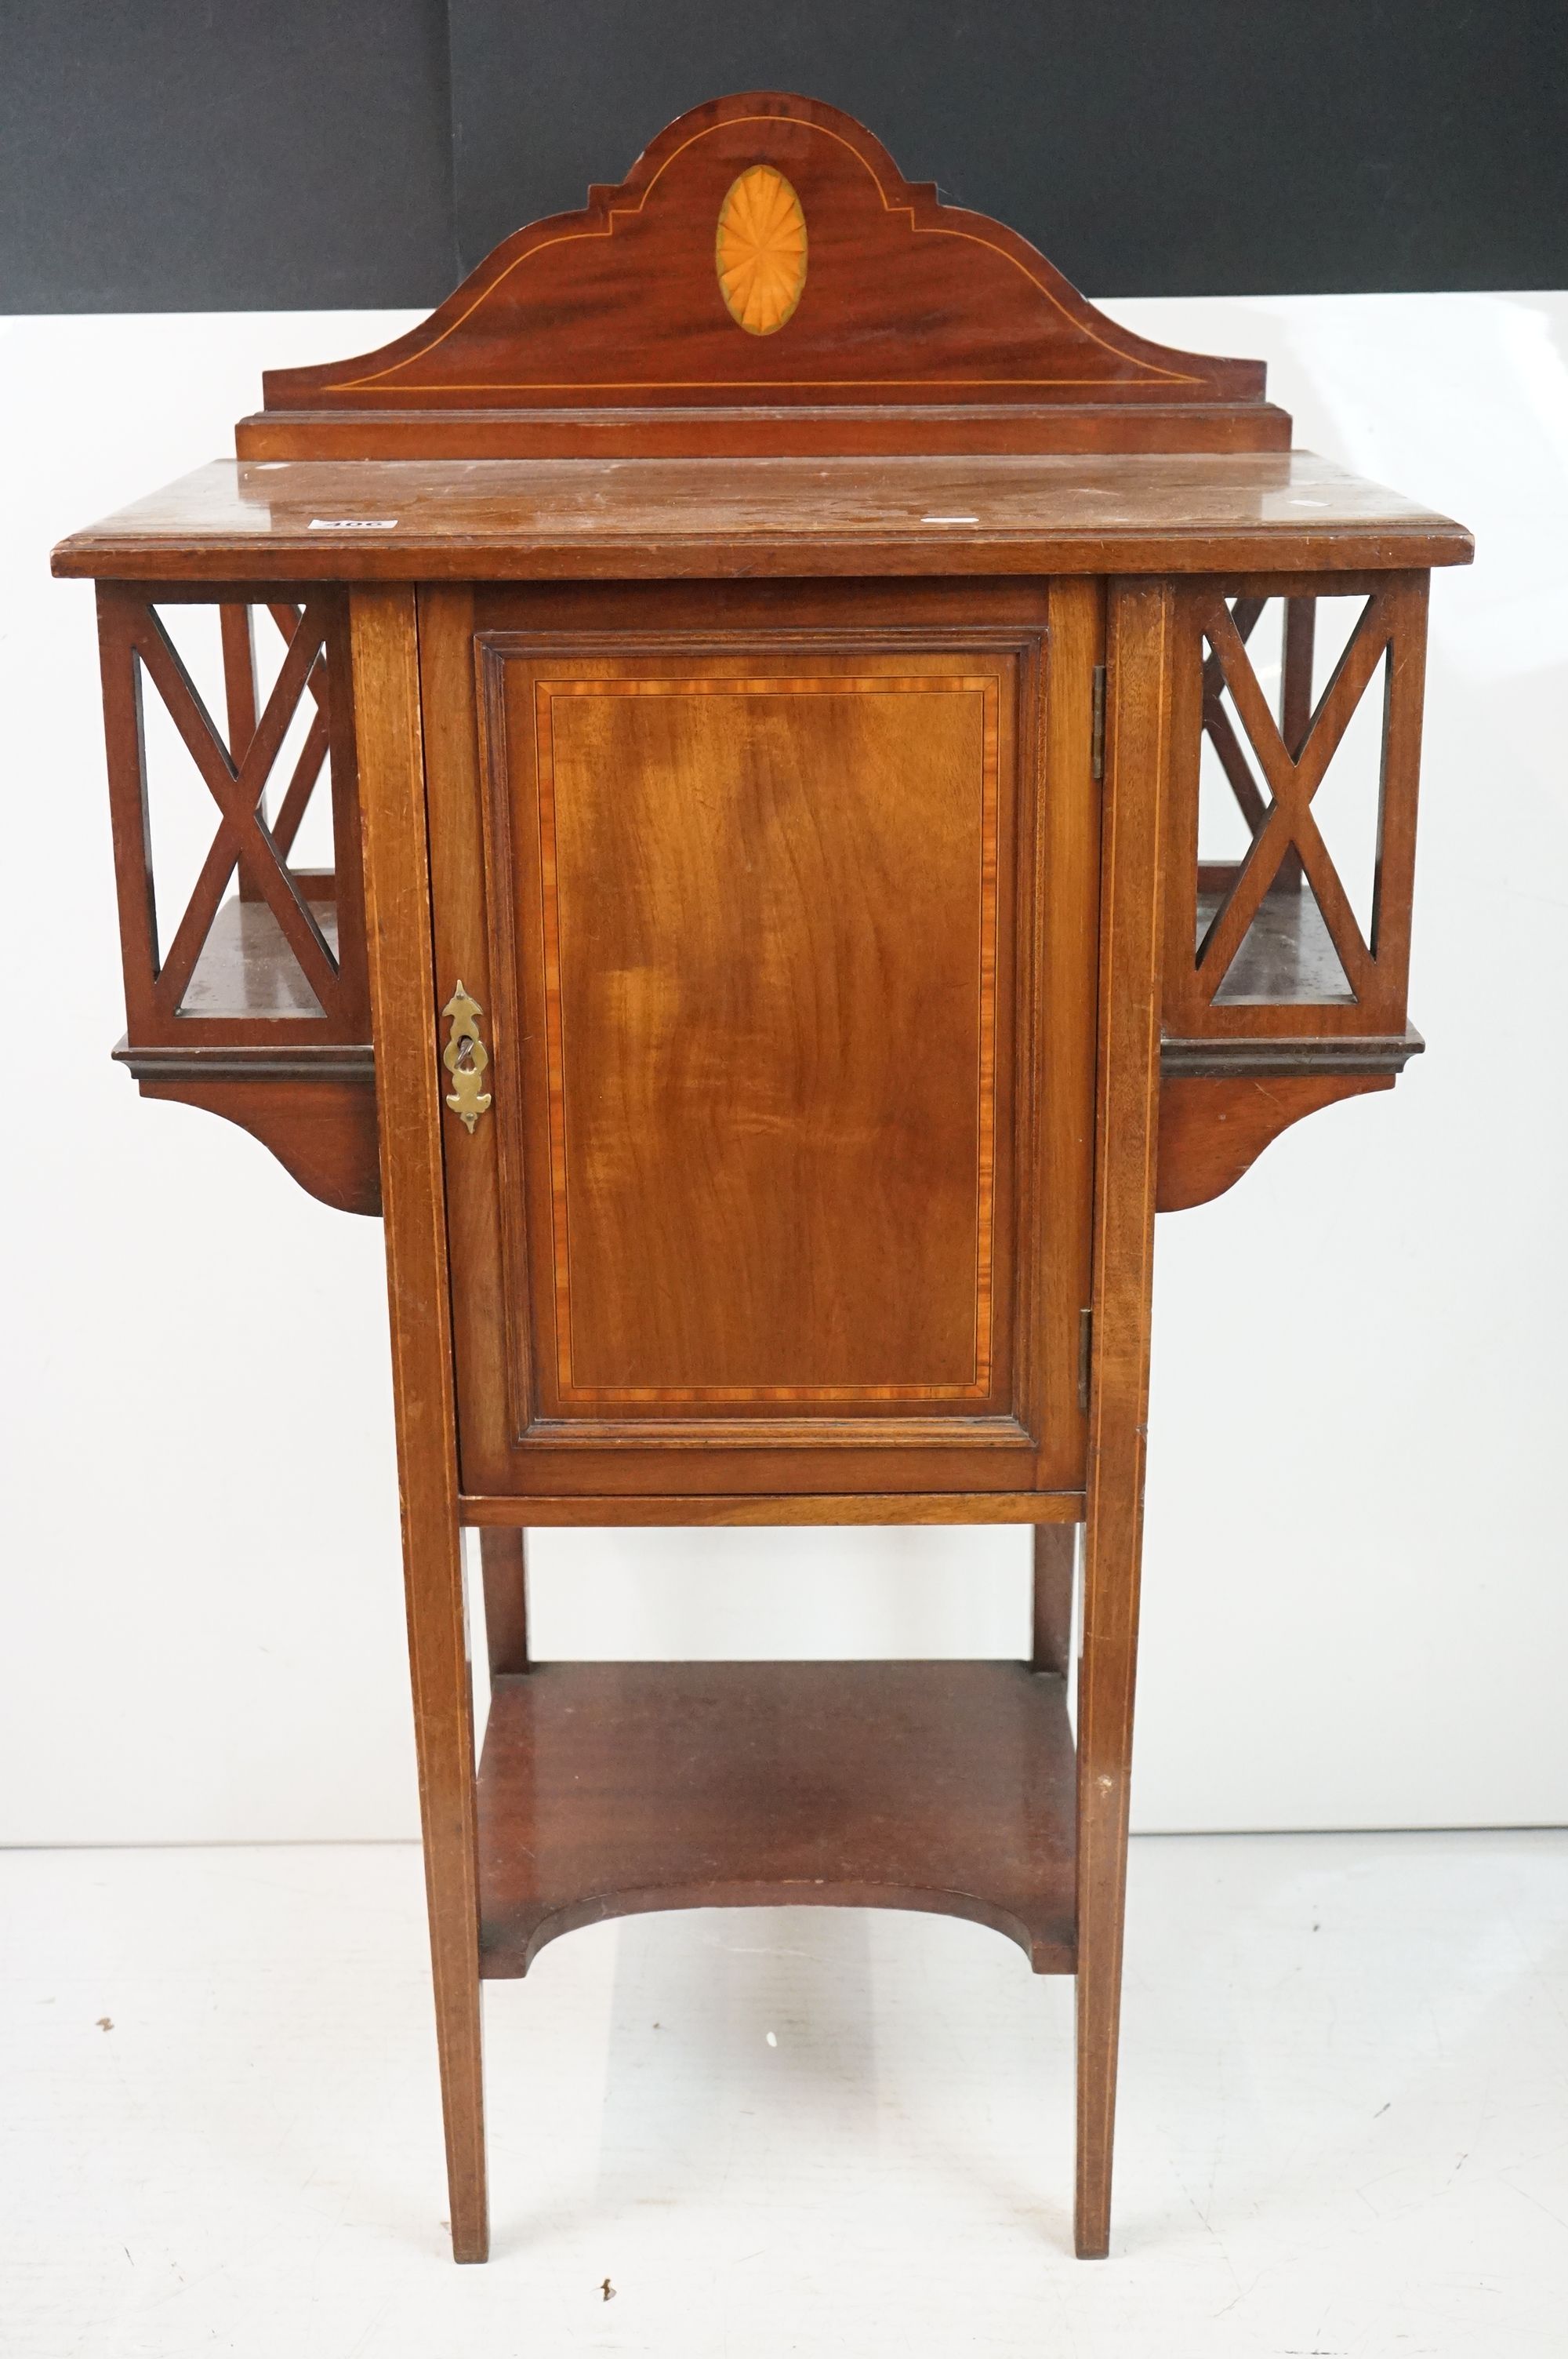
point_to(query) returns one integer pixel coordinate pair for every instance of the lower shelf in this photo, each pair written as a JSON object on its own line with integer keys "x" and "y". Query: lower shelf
{"x": 611, "y": 1788}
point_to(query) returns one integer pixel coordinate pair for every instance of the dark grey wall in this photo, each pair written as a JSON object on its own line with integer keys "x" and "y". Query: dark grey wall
{"x": 196, "y": 154}
{"x": 1148, "y": 147}
{"x": 223, "y": 155}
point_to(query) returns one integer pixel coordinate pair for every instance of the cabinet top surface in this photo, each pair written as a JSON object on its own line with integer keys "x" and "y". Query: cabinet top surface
{"x": 434, "y": 519}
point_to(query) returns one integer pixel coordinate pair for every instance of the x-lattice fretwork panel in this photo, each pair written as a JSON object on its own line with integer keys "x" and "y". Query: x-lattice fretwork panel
{"x": 1274, "y": 764}
{"x": 308, "y": 920}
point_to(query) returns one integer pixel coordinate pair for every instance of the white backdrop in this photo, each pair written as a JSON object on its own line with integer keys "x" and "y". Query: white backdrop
{"x": 1356, "y": 1611}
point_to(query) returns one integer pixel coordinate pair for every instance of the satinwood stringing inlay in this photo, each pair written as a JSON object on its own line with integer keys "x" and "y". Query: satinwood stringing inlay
{"x": 760, "y": 250}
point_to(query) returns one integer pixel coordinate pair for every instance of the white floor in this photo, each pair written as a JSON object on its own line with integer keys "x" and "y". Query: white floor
{"x": 1343, "y": 2119}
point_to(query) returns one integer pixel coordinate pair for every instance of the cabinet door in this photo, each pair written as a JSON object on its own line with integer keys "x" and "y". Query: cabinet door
{"x": 755, "y": 1208}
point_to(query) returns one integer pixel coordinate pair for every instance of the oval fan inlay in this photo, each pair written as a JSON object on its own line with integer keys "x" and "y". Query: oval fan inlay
{"x": 760, "y": 250}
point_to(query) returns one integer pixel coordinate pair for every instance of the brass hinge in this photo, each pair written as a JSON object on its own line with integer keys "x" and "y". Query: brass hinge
{"x": 1096, "y": 739}
{"x": 1086, "y": 1356}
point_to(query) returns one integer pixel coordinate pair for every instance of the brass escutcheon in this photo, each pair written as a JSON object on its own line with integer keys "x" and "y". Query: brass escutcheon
{"x": 465, "y": 1057}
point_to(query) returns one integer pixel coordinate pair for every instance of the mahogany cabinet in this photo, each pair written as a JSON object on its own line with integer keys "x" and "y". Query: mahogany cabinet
{"x": 822, "y": 757}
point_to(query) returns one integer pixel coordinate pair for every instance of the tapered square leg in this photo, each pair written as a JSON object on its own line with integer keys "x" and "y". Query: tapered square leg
{"x": 404, "y": 1002}
{"x": 1138, "y": 753}
{"x": 444, "y": 1737}
{"x": 503, "y": 1557}
{"x": 1055, "y": 1546}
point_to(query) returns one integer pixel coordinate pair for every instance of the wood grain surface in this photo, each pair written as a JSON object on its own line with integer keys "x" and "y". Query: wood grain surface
{"x": 1056, "y": 1557}
{"x": 1140, "y": 629}
{"x": 1271, "y": 945}
{"x": 676, "y": 1505}
{"x": 768, "y": 986}
{"x": 397, "y": 902}
{"x": 1213, "y": 1130}
{"x": 321, "y": 1127}
{"x": 505, "y": 1560}
{"x": 765, "y": 250}
{"x": 609, "y": 1789}
{"x": 447, "y": 520}
{"x": 771, "y": 956}
{"x": 759, "y": 430}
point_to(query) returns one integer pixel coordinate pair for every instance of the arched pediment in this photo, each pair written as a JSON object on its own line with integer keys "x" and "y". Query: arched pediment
{"x": 766, "y": 251}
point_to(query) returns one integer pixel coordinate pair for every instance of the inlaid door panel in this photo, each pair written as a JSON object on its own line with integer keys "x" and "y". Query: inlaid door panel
{"x": 757, "y": 1003}
{"x": 765, "y": 969}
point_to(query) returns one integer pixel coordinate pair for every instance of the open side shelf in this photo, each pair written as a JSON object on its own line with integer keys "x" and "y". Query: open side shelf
{"x": 246, "y": 968}
{"x": 251, "y": 1053}
{"x": 608, "y": 1790}
{"x": 1288, "y": 956}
